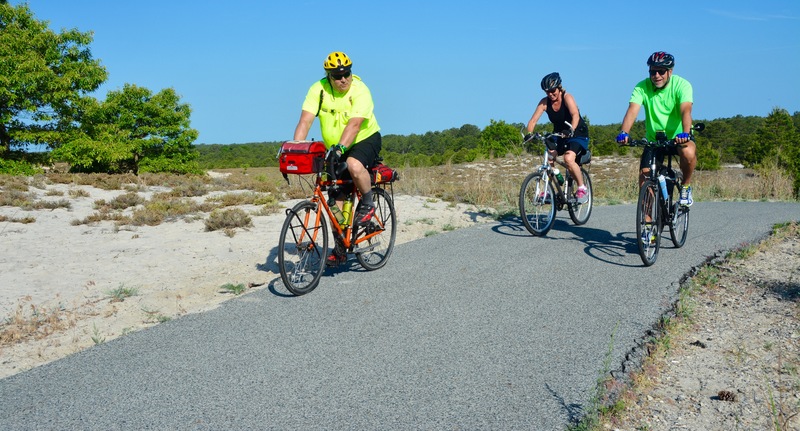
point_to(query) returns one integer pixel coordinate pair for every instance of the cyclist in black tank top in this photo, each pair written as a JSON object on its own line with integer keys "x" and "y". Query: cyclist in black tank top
{"x": 563, "y": 113}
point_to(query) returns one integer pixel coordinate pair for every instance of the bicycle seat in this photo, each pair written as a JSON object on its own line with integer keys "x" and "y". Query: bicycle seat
{"x": 584, "y": 157}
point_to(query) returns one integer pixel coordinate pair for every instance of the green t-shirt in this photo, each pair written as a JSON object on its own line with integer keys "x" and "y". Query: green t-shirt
{"x": 337, "y": 108}
{"x": 662, "y": 107}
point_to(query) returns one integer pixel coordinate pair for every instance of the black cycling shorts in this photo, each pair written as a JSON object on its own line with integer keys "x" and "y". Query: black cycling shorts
{"x": 571, "y": 144}
{"x": 365, "y": 151}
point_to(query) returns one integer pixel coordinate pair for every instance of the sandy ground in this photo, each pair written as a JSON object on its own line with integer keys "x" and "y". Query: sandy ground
{"x": 57, "y": 272}
{"x": 736, "y": 366}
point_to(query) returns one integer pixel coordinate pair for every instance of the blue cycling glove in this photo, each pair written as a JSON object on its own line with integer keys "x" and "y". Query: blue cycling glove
{"x": 622, "y": 137}
{"x": 683, "y": 136}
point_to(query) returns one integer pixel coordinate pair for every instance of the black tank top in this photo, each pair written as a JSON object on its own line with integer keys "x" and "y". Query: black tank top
{"x": 558, "y": 119}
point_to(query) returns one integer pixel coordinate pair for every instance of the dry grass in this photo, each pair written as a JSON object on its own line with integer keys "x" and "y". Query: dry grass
{"x": 495, "y": 183}
{"x": 228, "y": 220}
{"x": 32, "y": 322}
{"x": 491, "y": 184}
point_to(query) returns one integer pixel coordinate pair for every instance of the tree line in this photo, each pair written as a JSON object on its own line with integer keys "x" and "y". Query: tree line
{"x": 750, "y": 140}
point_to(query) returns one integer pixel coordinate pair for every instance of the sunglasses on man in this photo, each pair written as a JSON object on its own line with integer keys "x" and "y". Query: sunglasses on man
{"x": 338, "y": 77}
{"x": 660, "y": 72}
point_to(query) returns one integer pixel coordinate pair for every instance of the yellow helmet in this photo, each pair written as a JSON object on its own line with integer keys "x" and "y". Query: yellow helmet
{"x": 337, "y": 62}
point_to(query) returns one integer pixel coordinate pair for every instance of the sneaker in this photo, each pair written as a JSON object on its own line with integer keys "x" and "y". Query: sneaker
{"x": 648, "y": 235}
{"x": 336, "y": 258}
{"x": 686, "y": 196}
{"x": 582, "y": 194}
{"x": 365, "y": 213}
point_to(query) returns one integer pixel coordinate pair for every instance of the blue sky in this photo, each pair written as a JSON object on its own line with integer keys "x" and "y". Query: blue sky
{"x": 245, "y": 66}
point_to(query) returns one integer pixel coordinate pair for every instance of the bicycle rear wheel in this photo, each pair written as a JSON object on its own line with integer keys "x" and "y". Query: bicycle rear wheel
{"x": 579, "y": 213}
{"x": 680, "y": 225}
{"x": 303, "y": 247}
{"x": 648, "y": 229}
{"x": 373, "y": 253}
{"x": 536, "y": 204}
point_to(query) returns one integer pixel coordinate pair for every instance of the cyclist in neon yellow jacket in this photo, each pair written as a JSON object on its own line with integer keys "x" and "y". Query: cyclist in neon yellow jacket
{"x": 344, "y": 106}
{"x": 345, "y": 109}
{"x": 667, "y": 101}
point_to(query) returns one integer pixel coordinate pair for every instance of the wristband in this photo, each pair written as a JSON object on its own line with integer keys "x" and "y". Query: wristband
{"x": 341, "y": 148}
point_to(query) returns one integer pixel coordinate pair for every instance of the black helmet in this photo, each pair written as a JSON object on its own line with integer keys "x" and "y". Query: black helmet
{"x": 551, "y": 82}
{"x": 661, "y": 59}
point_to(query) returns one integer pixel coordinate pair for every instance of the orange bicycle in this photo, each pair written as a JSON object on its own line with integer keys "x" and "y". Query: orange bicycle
{"x": 303, "y": 246}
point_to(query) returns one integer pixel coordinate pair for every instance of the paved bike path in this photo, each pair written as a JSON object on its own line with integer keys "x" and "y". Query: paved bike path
{"x": 485, "y": 327}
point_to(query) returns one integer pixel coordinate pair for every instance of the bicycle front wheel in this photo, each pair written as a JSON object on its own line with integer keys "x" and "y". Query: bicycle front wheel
{"x": 536, "y": 207}
{"x": 579, "y": 213}
{"x": 375, "y": 251}
{"x": 648, "y": 229}
{"x": 303, "y": 247}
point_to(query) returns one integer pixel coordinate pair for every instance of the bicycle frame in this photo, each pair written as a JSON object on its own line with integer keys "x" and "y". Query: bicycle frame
{"x": 561, "y": 194}
{"x": 670, "y": 178}
{"x": 303, "y": 244}
{"x": 541, "y": 195}
{"x": 653, "y": 213}
{"x": 347, "y": 233}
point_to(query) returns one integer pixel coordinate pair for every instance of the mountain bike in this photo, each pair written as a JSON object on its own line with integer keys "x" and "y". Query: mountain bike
{"x": 657, "y": 206}
{"x": 303, "y": 246}
{"x": 541, "y": 193}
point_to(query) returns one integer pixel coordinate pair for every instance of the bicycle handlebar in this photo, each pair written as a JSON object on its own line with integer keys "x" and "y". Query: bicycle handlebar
{"x": 661, "y": 143}
{"x": 542, "y": 137}
{"x": 654, "y": 144}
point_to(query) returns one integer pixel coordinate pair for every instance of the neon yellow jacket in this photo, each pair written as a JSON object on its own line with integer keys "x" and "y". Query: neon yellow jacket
{"x": 336, "y": 109}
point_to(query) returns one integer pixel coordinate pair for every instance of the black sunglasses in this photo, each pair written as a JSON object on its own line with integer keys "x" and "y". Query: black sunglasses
{"x": 661, "y": 72}
{"x": 338, "y": 77}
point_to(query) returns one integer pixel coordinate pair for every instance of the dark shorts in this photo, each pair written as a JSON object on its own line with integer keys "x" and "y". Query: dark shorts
{"x": 575, "y": 144}
{"x": 366, "y": 151}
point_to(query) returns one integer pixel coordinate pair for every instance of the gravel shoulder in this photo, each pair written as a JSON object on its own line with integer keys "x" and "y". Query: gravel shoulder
{"x": 735, "y": 362}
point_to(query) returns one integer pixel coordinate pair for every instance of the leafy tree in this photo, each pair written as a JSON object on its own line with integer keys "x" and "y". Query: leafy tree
{"x": 133, "y": 130}
{"x": 779, "y": 140}
{"x": 498, "y": 138}
{"x": 707, "y": 157}
{"x": 44, "y": 79}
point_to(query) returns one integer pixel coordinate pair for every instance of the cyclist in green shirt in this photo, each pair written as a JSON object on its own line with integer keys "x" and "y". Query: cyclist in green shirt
{"x": 344, "y": 106}
{"x": 667, "y": 101}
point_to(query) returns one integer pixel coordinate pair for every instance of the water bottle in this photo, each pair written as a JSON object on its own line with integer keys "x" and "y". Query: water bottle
{"x": 347, "y": 210}
{"x": 663, "y": 183}
{"x": 559, "y": 177}
{"x": 337, "y": 213}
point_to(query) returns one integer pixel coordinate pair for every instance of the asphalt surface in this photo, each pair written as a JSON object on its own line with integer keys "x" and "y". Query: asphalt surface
{"x": 479, "y": 328}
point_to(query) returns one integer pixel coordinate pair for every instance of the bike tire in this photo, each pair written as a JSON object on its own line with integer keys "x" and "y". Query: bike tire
{"x": 579, "y": 213}
{"x": 679, "y": 225}
{"x": 648, "y": 205}
{"x": 379, "y": 247}
{"x": 679, "y": 228}
{"x": 303, "y": 247}
{"x": 538, "y": 212}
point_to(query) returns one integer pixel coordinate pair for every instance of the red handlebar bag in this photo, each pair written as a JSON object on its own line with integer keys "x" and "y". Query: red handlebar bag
{"x": 301, "y": 157}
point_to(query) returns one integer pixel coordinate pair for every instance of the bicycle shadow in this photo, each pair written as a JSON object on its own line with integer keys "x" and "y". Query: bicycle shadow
{"x": 598, "y": 244}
